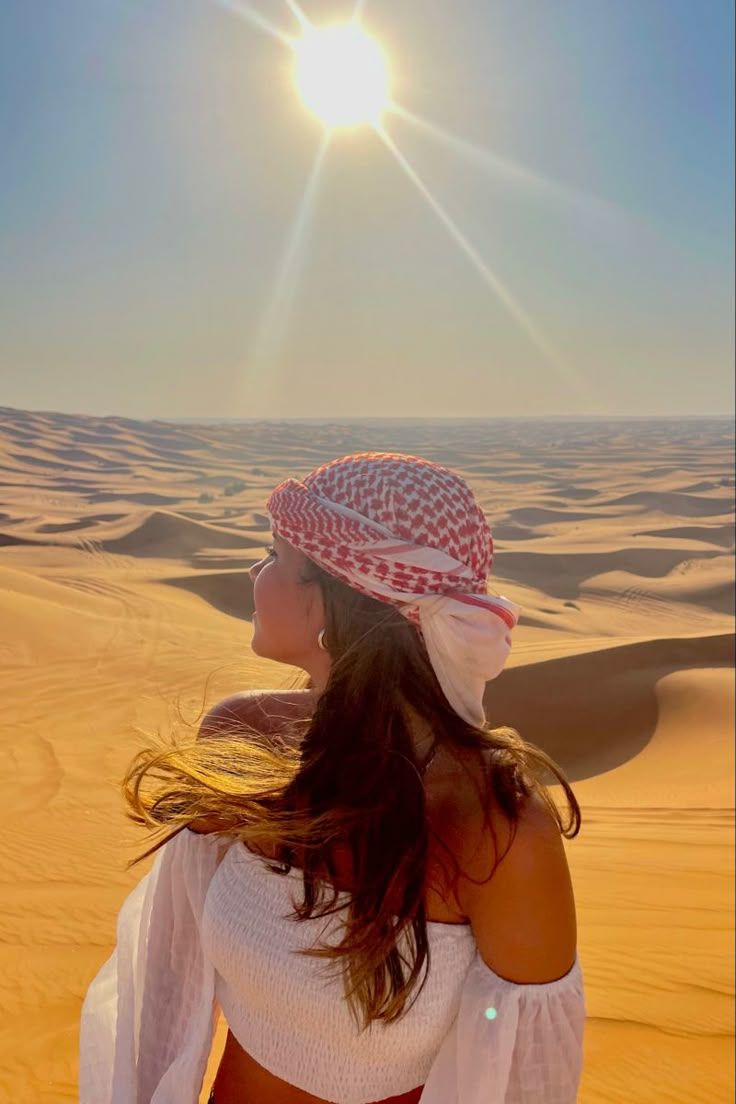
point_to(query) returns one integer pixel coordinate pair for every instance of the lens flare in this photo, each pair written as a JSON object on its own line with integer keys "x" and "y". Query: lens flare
{"x": 341, "y": 75}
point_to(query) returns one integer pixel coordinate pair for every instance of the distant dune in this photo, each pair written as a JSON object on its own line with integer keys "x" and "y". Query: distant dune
{"x": 171, "y": 535}
{"x": 231, "y": 592}
{"x": 124, "y": 620}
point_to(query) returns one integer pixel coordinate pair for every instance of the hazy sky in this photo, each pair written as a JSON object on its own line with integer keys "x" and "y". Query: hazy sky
{"x": 154, "y": 156}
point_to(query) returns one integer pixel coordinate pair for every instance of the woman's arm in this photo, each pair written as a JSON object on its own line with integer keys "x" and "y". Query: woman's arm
{"x": 518, "y": 1034}
{"x": 523, "y": 918}
{"x": 148, "y": 1017}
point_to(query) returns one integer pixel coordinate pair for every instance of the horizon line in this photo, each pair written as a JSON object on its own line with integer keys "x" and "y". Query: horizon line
{"x": 350, "y": 419}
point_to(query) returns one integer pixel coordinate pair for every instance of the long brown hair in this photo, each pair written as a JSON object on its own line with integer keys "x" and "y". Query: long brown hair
{"x": 347, "y": 779}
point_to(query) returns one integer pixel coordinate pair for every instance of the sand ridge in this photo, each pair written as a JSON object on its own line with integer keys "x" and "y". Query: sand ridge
{"x": 125, "y": 594}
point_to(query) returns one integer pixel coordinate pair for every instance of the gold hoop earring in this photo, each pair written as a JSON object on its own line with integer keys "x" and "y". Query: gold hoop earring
{"x": 321, "y": 640}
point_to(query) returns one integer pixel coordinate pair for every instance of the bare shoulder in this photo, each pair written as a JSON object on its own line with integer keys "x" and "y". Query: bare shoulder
{"x": 268, "y": 711}
{"x": 523, "y": 918}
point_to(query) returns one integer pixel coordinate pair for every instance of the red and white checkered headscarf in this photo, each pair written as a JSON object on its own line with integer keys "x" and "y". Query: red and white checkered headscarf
{"x": 408, "y": 532}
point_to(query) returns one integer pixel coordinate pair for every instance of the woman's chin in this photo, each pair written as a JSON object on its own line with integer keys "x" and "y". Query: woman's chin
{"x": 259, "y": 646}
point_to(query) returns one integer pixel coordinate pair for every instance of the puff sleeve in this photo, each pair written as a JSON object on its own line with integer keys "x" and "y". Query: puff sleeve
{"x": 511, "y": 1043}
{"x": 148, "y": 1018}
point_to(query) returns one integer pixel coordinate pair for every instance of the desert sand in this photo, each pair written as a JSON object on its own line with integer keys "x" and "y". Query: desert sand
{"x": 125, "y": 601}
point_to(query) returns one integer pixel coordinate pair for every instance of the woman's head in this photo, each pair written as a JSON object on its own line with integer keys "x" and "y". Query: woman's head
{"x": 356, "y": 516}
{"x": 407, "y": 534}
{"x": 363, "y": 641}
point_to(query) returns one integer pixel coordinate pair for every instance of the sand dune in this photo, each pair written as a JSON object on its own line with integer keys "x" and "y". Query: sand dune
{"x": 616, "y": 539}
{"x": 231, "y": 592}
{"x": 568, "y": 572}
{"x": 165, "y": 534}
{"x": 539, "y": 515}
{"x": 11, "y": 538}
{"x": 80, "y": 523}
{"x": 676, "y": 504}
{"x": 142, "y": 498}
{"x": 572, "y": 492}
{"x": 620, "y": 684}
{"x": 708, "y": 534}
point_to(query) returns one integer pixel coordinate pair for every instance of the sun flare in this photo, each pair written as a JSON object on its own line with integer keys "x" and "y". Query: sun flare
{"x": 341, "y": 75}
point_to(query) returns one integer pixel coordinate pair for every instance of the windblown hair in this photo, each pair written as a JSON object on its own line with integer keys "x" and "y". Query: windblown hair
{"x": 347, "y": 780}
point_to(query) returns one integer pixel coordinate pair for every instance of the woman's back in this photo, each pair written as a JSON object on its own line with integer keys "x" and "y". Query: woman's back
{"x": 453, "y": 795}
{"x": 452, "y": 807}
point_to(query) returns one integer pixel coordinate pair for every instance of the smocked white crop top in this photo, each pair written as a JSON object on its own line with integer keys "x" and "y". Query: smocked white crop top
{"x": 262, "y": 987}
{"x": 207, "y": 930}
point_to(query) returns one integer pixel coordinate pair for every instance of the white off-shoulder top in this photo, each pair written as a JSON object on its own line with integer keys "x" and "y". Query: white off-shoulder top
{"x": 207, "y": 930}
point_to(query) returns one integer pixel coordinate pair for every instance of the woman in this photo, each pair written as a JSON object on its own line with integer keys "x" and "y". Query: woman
{"x": 430, "y": 855}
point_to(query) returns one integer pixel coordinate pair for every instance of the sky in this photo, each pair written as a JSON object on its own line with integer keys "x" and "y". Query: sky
{"x": 544, "y": 228}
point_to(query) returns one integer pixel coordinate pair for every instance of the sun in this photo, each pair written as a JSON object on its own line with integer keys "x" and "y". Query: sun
{"x": 341, "y": 75}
